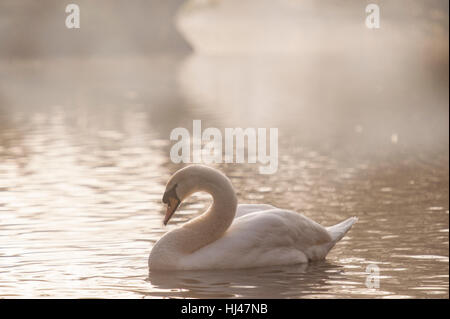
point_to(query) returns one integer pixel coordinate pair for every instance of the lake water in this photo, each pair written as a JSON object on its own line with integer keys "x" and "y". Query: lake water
{"x": 84, "y": 158}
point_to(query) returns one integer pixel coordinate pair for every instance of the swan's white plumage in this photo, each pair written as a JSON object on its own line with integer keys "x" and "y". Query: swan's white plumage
{"x": 261, "y": 238}
{"x": 244, "y": 209}
{"x": 259, "y": 235}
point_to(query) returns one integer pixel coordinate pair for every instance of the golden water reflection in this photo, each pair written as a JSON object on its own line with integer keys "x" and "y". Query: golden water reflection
{"x": 82, "y": 172}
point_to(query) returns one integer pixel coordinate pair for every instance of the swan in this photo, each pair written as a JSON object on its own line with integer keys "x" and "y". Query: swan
{"x": 232, "y": 236}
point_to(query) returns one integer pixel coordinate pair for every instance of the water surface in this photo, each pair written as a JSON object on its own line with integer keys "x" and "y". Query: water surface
{"x": 84, "y": 157}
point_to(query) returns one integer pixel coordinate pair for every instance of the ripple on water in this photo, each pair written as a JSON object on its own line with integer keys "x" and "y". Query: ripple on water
{"x": 81, "y": 185}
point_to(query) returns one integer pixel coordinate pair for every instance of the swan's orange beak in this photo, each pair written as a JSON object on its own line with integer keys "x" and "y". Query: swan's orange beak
{"x": 171, "y": 199}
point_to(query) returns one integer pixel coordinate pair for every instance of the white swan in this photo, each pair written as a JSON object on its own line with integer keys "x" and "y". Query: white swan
{"x": 230, "y": 236}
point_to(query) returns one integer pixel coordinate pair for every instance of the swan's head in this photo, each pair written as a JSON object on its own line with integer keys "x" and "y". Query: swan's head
{"x": 186, "y": 181}
{"x": 170, "y": 198}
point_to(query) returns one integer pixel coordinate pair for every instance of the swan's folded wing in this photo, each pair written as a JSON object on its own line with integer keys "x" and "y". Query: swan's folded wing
{"x": 244, "y": 209}
{"x": 281, "y": 225}
{"x": 277, "y": 237}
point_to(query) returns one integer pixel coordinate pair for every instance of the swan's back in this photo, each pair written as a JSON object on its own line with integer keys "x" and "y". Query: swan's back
{"x": 265, "y": 238}
{"x": 244, "y": 209}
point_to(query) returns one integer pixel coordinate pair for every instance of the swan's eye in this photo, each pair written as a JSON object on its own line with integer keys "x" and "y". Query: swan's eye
{"x": 171, "y": 193}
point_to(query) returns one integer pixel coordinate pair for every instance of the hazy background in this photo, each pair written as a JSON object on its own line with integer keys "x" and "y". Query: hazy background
{"x": 37, "y": 28}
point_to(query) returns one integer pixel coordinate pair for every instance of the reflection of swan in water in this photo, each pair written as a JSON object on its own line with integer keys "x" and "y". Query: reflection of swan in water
{"x": 229, "y": 236}
{"x": 292, "y": 281}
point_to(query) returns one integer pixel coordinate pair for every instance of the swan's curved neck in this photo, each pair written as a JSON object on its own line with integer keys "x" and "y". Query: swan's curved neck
{"x": 212, "y": 224}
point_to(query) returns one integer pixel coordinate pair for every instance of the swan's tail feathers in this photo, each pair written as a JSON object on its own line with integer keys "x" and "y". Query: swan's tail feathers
{"x": 338, "y": 231}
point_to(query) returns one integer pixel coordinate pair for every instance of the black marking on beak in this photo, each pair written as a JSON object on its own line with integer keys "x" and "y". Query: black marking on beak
{"x": 171, "y": 193}
{"x": 170, "y": 198}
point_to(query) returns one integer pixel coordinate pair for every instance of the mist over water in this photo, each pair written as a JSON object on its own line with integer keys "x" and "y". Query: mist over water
{"x": 85, "y": 118}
